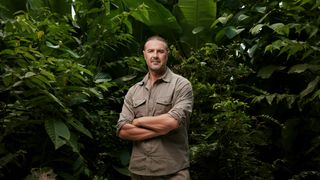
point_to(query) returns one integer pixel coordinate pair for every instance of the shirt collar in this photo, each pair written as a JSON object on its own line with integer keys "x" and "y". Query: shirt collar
{"x": 166, "y": 77}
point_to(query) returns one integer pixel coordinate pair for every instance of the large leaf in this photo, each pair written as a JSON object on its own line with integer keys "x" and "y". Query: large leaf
{"x": 58, "y": 132}
{"x": 153, "y": 14}
{"x": 298, "y": 68}
{"x": 195, "y": 14}
{"x": 79, "y": 126}
{"x": 198, "y": 13}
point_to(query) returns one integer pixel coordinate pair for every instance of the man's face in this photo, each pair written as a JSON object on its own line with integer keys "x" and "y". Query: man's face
{"x": 156, "y": 55}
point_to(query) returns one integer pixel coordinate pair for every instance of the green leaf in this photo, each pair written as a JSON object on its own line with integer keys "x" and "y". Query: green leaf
{"x": 58, "y": 132}
{"x": 280, "y": 28}
{"x": 49, "y": 44}
{"x": 267, "y": 71}
{"x": 55, "y": 99}
{"x": 95, "y": 92}
{"x": 223, "y": 20}
{"x": 252, "y": 50}
{"x": 197, "y": 30}
{"x": 73, "y": 142}
{"x": 219, "y": 36}
{"x": 298, "y": 68}
{"x": 311, "y": 87}
{"x": 34, "y": 82}
{"x": 28, "y": 55}
{"x": 270, "y": 98}
{"x": 256, "y": 29}
{"x": 127, "y": 77}
{"x": 316, "y": 95}
{"x": 153, "y": 14}
{"x": 231, "y": 32}
{"x": 198, "y": 13}
{"x": 29, "y": 74}
{"x": 278, "y": 44}
{"x": 48, "y": 74}
{"x": 8, "y": 52}
{"x": 75, "y": 55}
{"x": 79, "y": 127}
{"x": 261, "y": 9}
{"x": 84, "y": 70}
{"x": 242, "y": 17}
{"x": 192, "y": 14}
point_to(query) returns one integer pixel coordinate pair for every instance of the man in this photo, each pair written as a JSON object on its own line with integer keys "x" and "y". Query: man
{"x": 155, "y": 116}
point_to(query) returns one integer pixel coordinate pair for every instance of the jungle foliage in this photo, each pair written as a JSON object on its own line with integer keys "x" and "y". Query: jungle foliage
{"x": 254, "y": 67}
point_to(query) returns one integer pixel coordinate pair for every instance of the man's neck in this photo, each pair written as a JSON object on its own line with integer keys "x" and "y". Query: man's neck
{"x": 154, "y": 76}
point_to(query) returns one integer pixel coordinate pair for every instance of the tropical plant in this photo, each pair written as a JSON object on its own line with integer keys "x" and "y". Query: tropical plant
{"x": 253, "y": 65}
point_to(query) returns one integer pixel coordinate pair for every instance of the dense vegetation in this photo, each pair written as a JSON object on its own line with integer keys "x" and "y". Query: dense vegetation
{"x": 254, "y": 66}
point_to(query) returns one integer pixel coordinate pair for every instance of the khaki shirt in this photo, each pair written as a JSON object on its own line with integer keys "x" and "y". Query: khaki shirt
{"x": 169, "y": 153}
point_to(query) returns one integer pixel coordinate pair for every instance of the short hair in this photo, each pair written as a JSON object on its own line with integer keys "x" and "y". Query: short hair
{"x": 156, "y": 37}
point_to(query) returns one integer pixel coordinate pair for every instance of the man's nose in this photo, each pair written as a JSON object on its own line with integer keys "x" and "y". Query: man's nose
{"x": 154, "y": 55}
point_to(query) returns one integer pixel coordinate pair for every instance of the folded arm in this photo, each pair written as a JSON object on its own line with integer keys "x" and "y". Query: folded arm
{"x": 148, "y": 127}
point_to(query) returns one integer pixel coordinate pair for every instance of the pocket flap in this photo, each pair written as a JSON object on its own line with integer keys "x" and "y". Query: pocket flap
{"x": 138, "y": 102}
{"x": 164, "y": 100}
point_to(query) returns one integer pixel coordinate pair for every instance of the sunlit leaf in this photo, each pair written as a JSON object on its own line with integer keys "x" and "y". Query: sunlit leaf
{"x": 242, "y": 17}
{"x": 256, "y": 29}
{"x": 29, "y": 74}
{"x": 298, "y": 68}
{"x": 197, "y": 30}
{"x": 49, "y": 44}
{"x": 280, "y": 28}
{"x": 128, "y": 77}
{"x": 270, "y": 98}
{"x": 261, "y": 9}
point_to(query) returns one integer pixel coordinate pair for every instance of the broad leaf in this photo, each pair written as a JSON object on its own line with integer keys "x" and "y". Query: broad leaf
{"x": 256, "y": 29}
{"x": 58, "y": 132}
{"x": 153, "y": 14}
{"x": 231, "y": 32}
{"x": 298, "y": 68}
{"x": 280, "y": 28}
{"x": 192, "y": 14}
{"x": 79, "y": 126}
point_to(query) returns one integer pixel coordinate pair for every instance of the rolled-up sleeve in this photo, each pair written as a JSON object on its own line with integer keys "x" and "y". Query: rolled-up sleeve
{"x": 127, "y": 114}
{"x": 183, "y": 102}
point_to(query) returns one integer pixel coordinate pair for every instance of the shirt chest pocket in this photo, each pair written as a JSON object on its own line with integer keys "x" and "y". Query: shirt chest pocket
{"x": 163, "y": 105}
{"x": 139, "y": 106}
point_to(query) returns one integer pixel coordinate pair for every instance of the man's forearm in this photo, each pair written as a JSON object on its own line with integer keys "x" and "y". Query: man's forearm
{"x": 134, "y": 133}
{"x": 162, "y": 124}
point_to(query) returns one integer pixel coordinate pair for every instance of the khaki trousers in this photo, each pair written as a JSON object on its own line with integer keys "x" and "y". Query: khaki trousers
{"x": 180, "y": 175}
